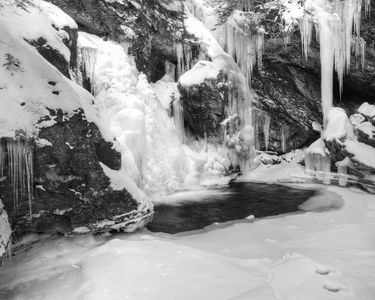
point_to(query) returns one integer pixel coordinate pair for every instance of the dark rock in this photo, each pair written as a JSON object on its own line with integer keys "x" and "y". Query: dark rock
{"x": 71, "y": 189}
{"x": 204, "y": 108}
{"x": 55, "y": 57}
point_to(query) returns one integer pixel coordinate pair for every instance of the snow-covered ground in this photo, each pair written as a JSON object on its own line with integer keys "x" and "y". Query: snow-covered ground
{"x": 314, "y": 255}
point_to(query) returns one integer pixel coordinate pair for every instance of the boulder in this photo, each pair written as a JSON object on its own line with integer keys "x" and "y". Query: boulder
{"x": 71, "y": 190}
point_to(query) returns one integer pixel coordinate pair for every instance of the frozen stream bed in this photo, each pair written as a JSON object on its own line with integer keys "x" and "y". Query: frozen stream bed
{"x": 319, "y": 254}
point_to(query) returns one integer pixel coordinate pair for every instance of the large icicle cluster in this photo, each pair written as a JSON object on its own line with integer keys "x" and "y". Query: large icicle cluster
{"x": 17, "y": 156}
{"x": 243, "y": 41}
{"x": 335, "y": 21}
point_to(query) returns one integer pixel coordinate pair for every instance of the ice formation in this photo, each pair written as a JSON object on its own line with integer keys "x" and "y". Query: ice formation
{"x": 317, "y": 162}
{"x": 335, "y": 22}
{"x": 284, "y": 138}
{"x": 241, "y": 40}
{"x": 266, "y": 130}
{"x": 152, "y": 153}
{"x": 240, "y": 145}
{"x": 178, "y": 119}
{"x": 19, "y": 162}
{"x": 342, "y": 170}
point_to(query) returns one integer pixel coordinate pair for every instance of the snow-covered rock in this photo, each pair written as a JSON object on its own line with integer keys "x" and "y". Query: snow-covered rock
{"x": 5, "y": 232}
{"x": 39, "y": 102}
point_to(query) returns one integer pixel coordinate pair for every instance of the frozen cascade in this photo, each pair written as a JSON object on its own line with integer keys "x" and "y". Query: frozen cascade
{"x": 152, "y": 155}
{"x": 240, "y": 145}
{"x": 20, "y": 169}
{"x": 284, "y": 138}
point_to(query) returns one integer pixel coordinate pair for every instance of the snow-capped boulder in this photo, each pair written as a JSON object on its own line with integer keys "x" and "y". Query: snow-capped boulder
{"x": 202, "y": 91}
{"x": 67, "y": 187}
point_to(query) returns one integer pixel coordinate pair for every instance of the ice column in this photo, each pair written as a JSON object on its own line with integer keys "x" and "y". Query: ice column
{"x": 266, "y": 129}
{"x": 284, "y": 138}
{"x": 178, "y": 119}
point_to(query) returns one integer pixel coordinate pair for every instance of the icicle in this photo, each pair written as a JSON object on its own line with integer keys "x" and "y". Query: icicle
{"x": 284, "y": 138}
{"x": 20, "y": 169}
{"x": 178, "y": 119}
{"x": 305, "y": 26}
{"x": 87, "y": 61}
{"x": 260, "y": 47}
{"x": 367, "y": 8}
{"x": 266, "y": 130}
{"x": 184, "y": 59}
{"x": 240, "y": 43}
{"x": 2, "y": 158}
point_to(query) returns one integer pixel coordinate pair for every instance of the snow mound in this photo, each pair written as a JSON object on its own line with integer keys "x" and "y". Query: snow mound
{"x": 367, "y": 110}
{"x": 338, "y": 125}
{"x": 203, "y": 70}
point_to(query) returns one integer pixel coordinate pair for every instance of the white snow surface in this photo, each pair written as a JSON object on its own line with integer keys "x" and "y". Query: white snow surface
{"x": 367, "y": 110}
{"x": 363, "y": 153}
{"x": 323, "y": 255}
{"x": 203, "y": 70}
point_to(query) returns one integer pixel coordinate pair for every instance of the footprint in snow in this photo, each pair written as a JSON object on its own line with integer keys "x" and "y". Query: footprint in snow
{"x": 332, "y": 287}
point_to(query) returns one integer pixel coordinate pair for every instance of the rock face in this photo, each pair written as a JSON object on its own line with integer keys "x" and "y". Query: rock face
{"x": 71, "y": 193}
{"x": 153, "y": 35}
{"x": 204, "y": 108}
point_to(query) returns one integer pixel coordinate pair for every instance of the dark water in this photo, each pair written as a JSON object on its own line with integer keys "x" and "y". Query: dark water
{"x": 237, "y": 201}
